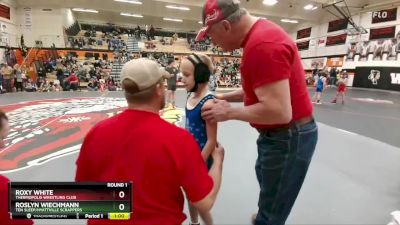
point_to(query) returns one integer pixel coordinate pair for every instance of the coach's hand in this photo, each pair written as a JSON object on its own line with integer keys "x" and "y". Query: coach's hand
{"x": 218, "y": 154}
{"x": 218, "y": 111}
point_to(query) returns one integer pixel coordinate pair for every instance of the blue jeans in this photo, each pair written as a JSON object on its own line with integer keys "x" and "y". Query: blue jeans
{"x": 283, "y": 160}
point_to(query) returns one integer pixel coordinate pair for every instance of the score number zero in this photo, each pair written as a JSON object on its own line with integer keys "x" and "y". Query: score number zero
{"x": 121, "y": 195}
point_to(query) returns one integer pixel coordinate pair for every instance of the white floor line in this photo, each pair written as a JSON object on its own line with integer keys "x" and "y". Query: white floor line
{"x": 347, "y": 132}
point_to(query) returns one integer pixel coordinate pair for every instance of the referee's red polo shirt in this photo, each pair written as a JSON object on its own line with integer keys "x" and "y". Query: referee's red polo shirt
{"x": 270, "y": 55}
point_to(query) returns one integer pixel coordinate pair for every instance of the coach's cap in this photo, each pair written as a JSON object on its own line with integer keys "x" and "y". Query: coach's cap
{"x": 215, "y": 11}
{"x": 144, "y": 72}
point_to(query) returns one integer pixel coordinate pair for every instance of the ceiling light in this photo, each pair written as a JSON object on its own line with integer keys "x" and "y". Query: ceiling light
{"x": 200, "y": 22}
{"x": 131, "y": 15}
{"x": 289, "y": 21}
{"x": 85, "y": 10}
{"x": 173, "y": 20}
{"x": 177, "y": 7}
{"x": 130, "y": 1}
{"x": 270, "y": 2}
{"x": 310, "y": 7}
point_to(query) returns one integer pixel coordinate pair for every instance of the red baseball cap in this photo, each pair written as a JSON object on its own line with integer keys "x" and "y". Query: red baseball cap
{"x": 215, "y": 11}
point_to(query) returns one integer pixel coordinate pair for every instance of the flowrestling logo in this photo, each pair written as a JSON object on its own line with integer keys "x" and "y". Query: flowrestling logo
{"x": 41, "y": 131}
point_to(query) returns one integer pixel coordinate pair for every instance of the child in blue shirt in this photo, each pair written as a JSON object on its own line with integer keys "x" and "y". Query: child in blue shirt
{"x": 196, "y": 70}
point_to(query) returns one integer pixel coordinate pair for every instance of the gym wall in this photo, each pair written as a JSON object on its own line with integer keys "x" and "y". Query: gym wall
{"x": 319, "y": 34}
{"x": 46, "y": 26}
{"x": 8, "y": 27}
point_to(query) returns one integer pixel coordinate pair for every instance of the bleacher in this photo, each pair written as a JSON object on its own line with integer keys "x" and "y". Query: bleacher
{"x": 180, "y": 46}
{"x": 133, "y": 45}
{"x": 73, "y": 30}
{"x": 116, "y": 71}
{"x": 137, "y": 41}
{"x": 99, "y": 41}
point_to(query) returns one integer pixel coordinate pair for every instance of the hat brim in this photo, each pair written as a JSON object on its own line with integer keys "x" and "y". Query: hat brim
{"x": 202, "y": 34}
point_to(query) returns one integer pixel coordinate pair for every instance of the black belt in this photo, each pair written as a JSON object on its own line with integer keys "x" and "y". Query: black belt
{"x": 293, "y": 124}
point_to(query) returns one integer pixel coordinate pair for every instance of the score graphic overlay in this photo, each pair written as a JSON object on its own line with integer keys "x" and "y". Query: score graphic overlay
{"x": 70, "y": 200}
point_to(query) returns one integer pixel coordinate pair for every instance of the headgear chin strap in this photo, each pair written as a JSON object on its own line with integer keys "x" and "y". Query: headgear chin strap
{"x": 201, "y": 71}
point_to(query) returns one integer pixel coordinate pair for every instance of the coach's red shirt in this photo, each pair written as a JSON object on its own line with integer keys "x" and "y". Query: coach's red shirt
{"x": 4, "y": 215}
{"x": 270, "y": 55}
{"x": 158, "y": 157}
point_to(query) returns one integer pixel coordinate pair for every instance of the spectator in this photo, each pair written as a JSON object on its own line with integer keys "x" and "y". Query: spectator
{"x": 171, "y": 82}
{"x": 81, "y": 73}
{"x": 162, "y": 41}
{"x": 41, "y": 72}
{"x": 212, "y": 84}
{"x": 175, "y": 37}
{"x": 1, "y": 83}
{"x": 102, "y": 85}
{"x": 30, "y": 86}
{"x": 7, "y": 73}
{"x": 18, "y": 77}
{"x": 71, "y": 83}
{"x": 111, "y": 85}
{"x": 93, "y": 85}
{"x": 161, "y": 168}
{"x": 60, "y": 75}
{"x": 147, "y": 29}
{"x": 152, "y": 32}
{"x": 39, "y": 83}
{"x": 52, "y": 86}
{"x": 67, "y": 70}
{"x": 332, "y": 76}
{"x": 45, "y": 86}
{"x": 24, "y": 74}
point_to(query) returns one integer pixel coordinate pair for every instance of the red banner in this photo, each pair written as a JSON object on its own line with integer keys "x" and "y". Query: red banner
{"x": 304, "y": 33}
{"x": 336, "y": 40}
{"x": 384, "y": 15}
{"x": 5, "y": 11}
{"x": 304, "y": 45}
{"x": 336, "y": 25}
{"x": 379, "y": 33}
